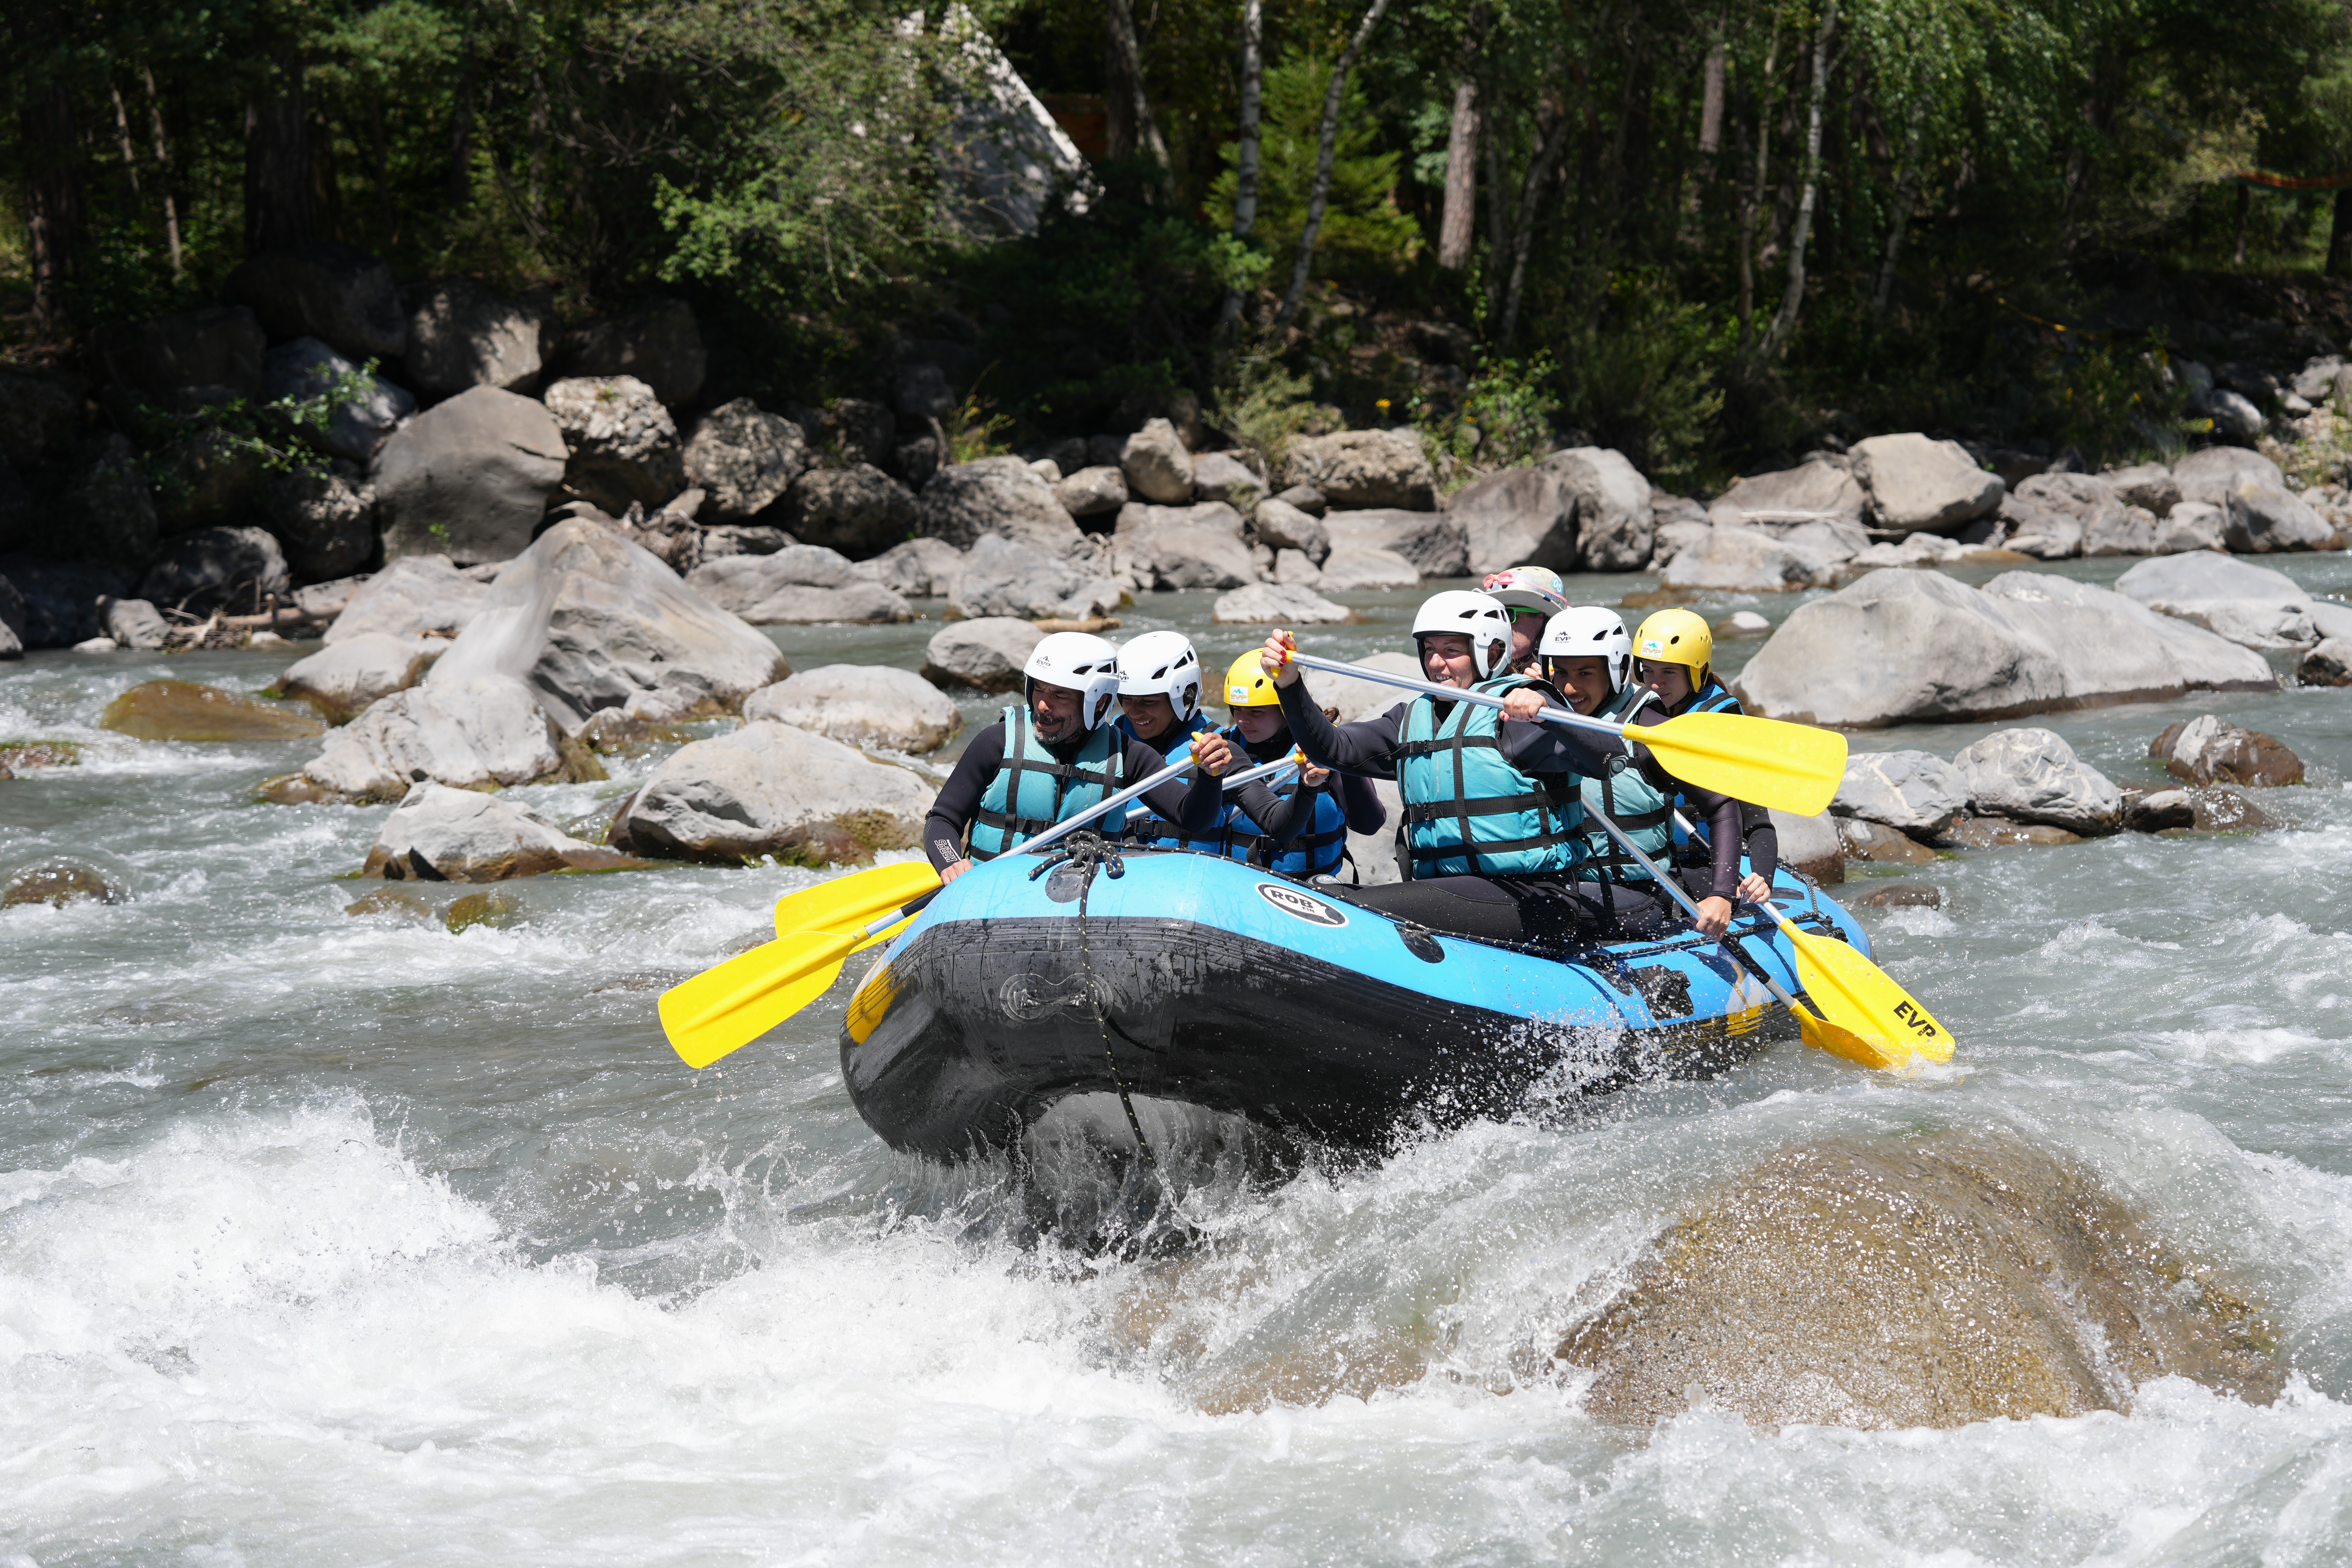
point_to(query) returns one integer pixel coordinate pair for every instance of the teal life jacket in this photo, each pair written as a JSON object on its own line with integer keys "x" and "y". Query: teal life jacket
{"x": 1032, "y": 790}
{"x": 1468, "y": 812}
{"x": 1632, "y": 802}
{"x": 1692, "y": 848}
{"x": 1149, "y": 827}
{"x": 1315, "y": 851}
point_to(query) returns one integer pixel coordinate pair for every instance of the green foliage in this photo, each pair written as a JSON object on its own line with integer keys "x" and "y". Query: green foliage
{"x": 2114, "y": 400}
{"x": 1261, "y": 402}
{"x": 1645, "y": 373}
{"x": 1362, "y": 231}
{"x": 1504, "y": 420}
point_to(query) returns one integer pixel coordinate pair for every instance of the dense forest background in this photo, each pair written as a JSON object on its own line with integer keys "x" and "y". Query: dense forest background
{"x": 1706, "y": 233}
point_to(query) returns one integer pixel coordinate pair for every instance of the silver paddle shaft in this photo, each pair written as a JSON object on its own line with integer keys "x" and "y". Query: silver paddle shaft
{"x": 1674, "y": 889}
{"x": 1145, "y": 787}
{"x": 1548, "y": 714}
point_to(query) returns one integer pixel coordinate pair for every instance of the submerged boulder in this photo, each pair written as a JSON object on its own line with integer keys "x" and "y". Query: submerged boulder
{"x": 772, "y": 789}
{"x": 1903, "y": 646}
{"x": 1996, "y": 1281}
{"x": 2032, "y": 775}
{"x": 983, "y": 655}
{"x": 185, "y": 711}
{"x": 441, "y": 835}
{"x": 860, "y": 705}
{"x": 2206, "y": 747}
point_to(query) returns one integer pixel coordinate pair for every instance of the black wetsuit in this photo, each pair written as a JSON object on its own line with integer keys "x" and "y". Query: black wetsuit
{"x": 1731, "y": 825}
{"x": 1193, "y": 807}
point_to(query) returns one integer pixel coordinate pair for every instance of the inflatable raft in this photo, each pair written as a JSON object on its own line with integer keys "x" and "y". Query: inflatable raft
{"x": 1190, "y": 978}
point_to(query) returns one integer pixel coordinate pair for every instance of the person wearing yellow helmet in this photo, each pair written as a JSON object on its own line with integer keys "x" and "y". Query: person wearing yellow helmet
{"x": 1299, "y": 830}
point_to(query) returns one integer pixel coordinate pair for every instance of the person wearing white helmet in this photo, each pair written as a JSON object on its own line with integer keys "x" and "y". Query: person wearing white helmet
{"x": 1494, "y": 816}
{"x": 1588, "y": 658}
{"x": 1053, "y": 755}
{"x": 1532, "y": 594}
{"x": 1160, "y": 688}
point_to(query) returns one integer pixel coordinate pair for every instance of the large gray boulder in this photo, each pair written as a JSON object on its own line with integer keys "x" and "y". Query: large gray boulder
{"x": 414, "y": 595}
{"x": 2263, "y": 519}
{"x": 1156, "y": 465}
{"x": 2252, "y": 605}
{"x": 744, "y": 459}
{"x": 1810, "y": 492}
{"x": 1748, "y": 560}
{"x": 1364, "y": 569}
{"x": 475, "y": 733}
{"x": 591, "y": 620}
{"x": 2051, "y": 515}
{"x": 469, "y": 478}
{"x": 1090, "y": 492}
{"x": 2209, "y": 474}
{"x": 216, "y": 346}
{"x": 2033, "y": 775}
{"x": 1278, "y": 525}
{"x": 438, "y": 833}
{"x": 343, "y": 680}
{"x": 657, "y": 342}
{"x": 1358, "y": 699}
{"x": 2191, "y": 525}
{"x": 235, "y": 570}
{"x": 620, "y": 444}
{"x": 996, "y": 495}
{"x": 1915, "y": 483}
{"x": 865, "y": 705}
{"x": 1616, "y": 526}
{"x": 1811, "y": 845}
{"x": 307, "y": 369}
{"x": 772, "y": 789}
{"x": 1917, "y": 791}
{"x": 324, "y": 519}
{"x": 2148, "y": 485}
{"x": 802, "y": 584}
{"x": 1004, "y": 577}
{"x": 857, "y": 509}
{"x": 1901, "y": 646}
{"x": 1169, "y": 547}
{"x": 463, "y": 334}
{"x": 1276, "y": 604}
{"x": 915, "y": 569}
{"x": 1436, "y": 544}
{"x": 1222, "y": 476}
{"x": 1364, "y": 468}
{"x": 2131, "y": 531}
{"x": 133, "y": 624}
{"x": 985, "y": 654}
{"x": 1519, "y": 517}
{"x": 327, "y": 290}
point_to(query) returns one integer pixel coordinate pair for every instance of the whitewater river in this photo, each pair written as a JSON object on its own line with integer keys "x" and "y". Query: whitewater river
{"x": 328, "y": 1238}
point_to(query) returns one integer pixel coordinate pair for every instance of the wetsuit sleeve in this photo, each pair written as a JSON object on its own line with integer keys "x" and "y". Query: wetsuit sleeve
{"x": 1281, "y": 818}
{"x": 1368, "y": 747}
{"x": 958, "y": 798}
{"x": 1362, "y": 803}
{"x": 1193, "y": 807}
{"x": 1763, "y": 840}
{"x": 1728, "y": 825}
{"x": 1723, "y": 841}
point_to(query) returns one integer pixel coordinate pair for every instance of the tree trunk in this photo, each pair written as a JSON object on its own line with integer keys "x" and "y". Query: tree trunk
{"x": 2339, "y": 236}
{"x": 277, "y": 208}
{"x": 1754, "y": 203}
{"x": 457, "y": 189}
{"x": 1784, "y": 323}
{"x": 1907, "y": 195}
{"x": 1132, "y": 132}
{"x": 56, "y": 210}
{"x": 163, "y": 169}
{"x": 1530, "y": 197}
{"x": 1458, "y": 229}
{"x": 1710, "y": 139}
{"x": 1319, "y": 194}
{"x": 1246, "y": 159}
{"x": 122, "y": 136}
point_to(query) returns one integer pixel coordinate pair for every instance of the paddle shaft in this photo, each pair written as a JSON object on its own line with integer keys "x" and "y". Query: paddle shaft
{"x": 1674, "y": 889}
{"x": 1548, "y": 714}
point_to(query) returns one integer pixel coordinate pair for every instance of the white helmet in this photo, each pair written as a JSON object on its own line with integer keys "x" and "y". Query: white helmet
{"x": 1478, "y": 617}
{"x": 1590, "y": 632}
{"x": 1081, "y": 663}
{"x": 1160, "y": 663}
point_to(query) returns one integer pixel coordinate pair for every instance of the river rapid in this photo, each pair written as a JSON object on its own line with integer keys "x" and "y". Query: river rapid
{"x": 333, "y": 1239}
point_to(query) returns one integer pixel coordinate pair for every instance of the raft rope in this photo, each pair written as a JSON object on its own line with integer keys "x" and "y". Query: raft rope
{"x": 1091, "y": 852}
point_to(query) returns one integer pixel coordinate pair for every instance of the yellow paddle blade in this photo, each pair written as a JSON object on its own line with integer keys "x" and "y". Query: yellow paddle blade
{"x": 1794, "y": 767}
{"x": 1865, "y": 1016}
{"x": 848, "y": 903}
{"x": 730, "y": 1005}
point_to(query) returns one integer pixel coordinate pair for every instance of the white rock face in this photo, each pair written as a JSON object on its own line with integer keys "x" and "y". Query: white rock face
{"x": 344, "y": 677}
{"x": 770, "y": 789}
{"x": 1282, "y": 526}
{"x": 1360, "y": 569}
{"x": 1267, "y": 604}
{"x": 2252, "y": 605}
{"x": 2263, "y": 519}
{"x": 1168, "y": 548}
{"x": 800, "y": 585}
{"x": 414, "y": 595}
{"x": 1156, "y": 465}
{"x": 915, "y": 569}
{"x": 2209, "y": 474}
{"x": 1904, "y": 645}
{"x": 1519, "y": 517}
{"x": 865, "y": 705}
{"x": 441, "y": 835}
{"x": 1616, "y": 526}
{"x": 469, "y": 734}
{"x": 1810, "y": 492}
{"x": 1004, "y": 577}
{"x": 1917, "y": 791}
{"x": 1750, "y": 559}
{"x": 2033, "y": 775}
{"x": 1089, "y": 492}
{"x": 1364, "y": 468}
{"x": 1915, "y": 483}
{"x": 985, "y": 654}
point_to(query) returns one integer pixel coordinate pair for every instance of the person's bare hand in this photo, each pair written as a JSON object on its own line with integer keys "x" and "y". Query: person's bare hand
{"x": 1524, "y": 704}
{"x": 1275, "y": 658}
{"x": 1213, "y": 752}
{"x": 1755, "y": 889}
{"x": 1714, "y": 917}
{"x": 1312, "y": 776}
{"x": 949, "y": 873}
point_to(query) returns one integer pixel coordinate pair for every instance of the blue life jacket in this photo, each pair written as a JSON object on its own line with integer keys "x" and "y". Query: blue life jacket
{"x": 1151, "y": 827}
{"x": 1693, "y": 847}
{"x": 1032, "y": 790}
{"x": 1317, "y": 851}
{"x": 1468, "y": 812}
{"x": 1632, "y": 802}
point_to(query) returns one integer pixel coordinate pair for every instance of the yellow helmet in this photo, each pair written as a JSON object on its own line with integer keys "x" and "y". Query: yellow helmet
{"x": 1247, "y": 685}
{"x": 1676, "y": 637}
